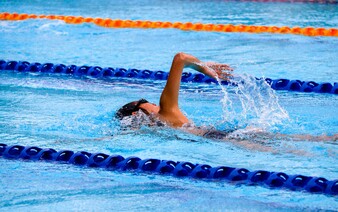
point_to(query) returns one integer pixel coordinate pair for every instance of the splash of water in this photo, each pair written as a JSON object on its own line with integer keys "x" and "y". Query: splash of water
{"x": 251, "y": 103}
{"x": 139, "y": 120}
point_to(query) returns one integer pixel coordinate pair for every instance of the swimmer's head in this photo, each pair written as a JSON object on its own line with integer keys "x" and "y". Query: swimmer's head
{"x": 132, "y": 107}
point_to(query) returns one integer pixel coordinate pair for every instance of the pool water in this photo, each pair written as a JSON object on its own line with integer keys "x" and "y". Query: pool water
{"x": 64, "y": 112}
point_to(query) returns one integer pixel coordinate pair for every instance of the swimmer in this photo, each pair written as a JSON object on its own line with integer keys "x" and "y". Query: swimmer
{"x": 168, "y": 112}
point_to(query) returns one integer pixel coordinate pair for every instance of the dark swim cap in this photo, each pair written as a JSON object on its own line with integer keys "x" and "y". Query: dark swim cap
{"x": 128, "y": 109}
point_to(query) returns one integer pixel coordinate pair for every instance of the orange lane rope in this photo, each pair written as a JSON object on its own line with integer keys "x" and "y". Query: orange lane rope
{"x": 117, "y": 23}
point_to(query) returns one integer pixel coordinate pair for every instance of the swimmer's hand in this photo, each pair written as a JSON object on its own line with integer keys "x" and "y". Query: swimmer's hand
{"x": 220, "y": 71}
{"x": 211, "y": 69}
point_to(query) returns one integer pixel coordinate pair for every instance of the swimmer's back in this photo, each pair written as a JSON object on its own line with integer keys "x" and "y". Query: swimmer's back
{"x": 207, "y": 132}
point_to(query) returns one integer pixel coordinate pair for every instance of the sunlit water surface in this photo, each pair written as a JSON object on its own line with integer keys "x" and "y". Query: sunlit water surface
{"x": 62, "y": 112}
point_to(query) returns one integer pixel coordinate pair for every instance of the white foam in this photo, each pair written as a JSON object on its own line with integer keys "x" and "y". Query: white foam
{"x": 251, "y": 103}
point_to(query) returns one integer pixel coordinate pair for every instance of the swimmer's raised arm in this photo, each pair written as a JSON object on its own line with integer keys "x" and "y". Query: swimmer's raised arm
{"x": 169, "y": 108}
{"x": 183, "y": 60}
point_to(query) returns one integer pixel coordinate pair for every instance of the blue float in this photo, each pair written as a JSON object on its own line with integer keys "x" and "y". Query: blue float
{"x": 276, "y": 179}
{"x": 30, "y": 153}
{"x": 149, "y": 164}
{"x": 178, "y": 169}
{"x": 258, "y": 176}
{"x": 296, "y": 182}
{"x": 80, "y": 158}
{"x": 166, "y": 166}
{"x": 110, "y": 73}
{"x": 97, "y": 160}
{"x": 220, "y": 172}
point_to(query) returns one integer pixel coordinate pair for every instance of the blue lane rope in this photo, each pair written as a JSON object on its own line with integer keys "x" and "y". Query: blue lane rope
{"x": 169, "y": 167}
{"x": 109, "y": 73}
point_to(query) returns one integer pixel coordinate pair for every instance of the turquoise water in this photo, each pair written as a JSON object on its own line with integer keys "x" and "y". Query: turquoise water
{"x": 71, "y": 113}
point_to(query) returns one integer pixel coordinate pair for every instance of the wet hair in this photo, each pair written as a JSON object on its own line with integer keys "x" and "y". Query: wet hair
{"x": 128, "y": 109}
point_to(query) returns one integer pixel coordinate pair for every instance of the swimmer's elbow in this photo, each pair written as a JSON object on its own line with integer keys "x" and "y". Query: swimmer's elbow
{"x": 185, "y": 59}
{"x": 180, "y": 57}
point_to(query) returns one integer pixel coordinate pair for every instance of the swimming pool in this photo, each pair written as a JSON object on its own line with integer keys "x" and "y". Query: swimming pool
{"x": 70, "y": 113}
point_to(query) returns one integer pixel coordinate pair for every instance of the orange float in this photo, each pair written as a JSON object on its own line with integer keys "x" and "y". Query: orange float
{"x": 296, "y": 30}
{"x": 187, "y": 26}
{"x": 61, "y": 17}
{"x": 14, "y": 16}
{"x": 3, "y": 16}
{"x": 320, "y": 31}
{"x": 32, "y": 16}
{"x": 219, "y": 27}
{"x": 78, "y": 20}
{"x": 126, "y": 23}
{"x": 240, "y": 28}
{"x": 208, "y": 27}
{"x": 9, "y": 17}
{"x": 229, "y": 28}
{"x": 262, "y": 29}
{"x": 284, "y": 30}
{"x": 138, "y": 24}
{"x": 51, "y": 17}
{"x": 98, "y": 21}
{"x": 146, "y": 24}
{"x": 105, "y": 23}
{"x": 177, "y": 25}
{"x": 88, "y": 20}
{"x": 307, "y": 31}
{"x": 167, "y": 24}
{"x": 69, "y": 19}
{"x": 252, "y": 29}
{"x": 273, "y": 29}
{"x": 197, "y": 26}
{"x": 332, "y": 32}
{"x": 23, "y": 16}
